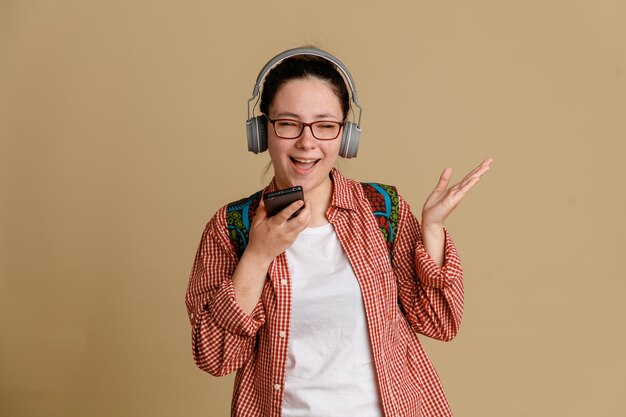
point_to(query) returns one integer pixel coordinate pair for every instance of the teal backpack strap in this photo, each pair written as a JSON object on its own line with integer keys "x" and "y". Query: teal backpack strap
{"x": 238, "y": 218}
{"x": 384, "y": 202}
{"x": 382, "y": 198}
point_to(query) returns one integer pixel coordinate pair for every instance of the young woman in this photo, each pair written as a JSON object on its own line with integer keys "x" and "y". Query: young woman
{"x": 316, "y": 315}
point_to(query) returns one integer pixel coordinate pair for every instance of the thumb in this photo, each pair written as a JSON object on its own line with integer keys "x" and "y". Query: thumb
{"x": 444, "y": 180}
{"x": 261, "y": 214}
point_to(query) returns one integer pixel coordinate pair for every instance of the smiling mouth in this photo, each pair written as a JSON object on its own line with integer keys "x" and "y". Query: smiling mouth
{"x": 304, "y": 162}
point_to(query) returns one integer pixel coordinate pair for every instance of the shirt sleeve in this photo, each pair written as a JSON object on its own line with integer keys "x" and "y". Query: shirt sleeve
{"x": 431, "y": 297}
{"x": 223, "y": 335}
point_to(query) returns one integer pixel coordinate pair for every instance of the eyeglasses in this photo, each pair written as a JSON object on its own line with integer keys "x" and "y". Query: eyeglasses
{"x": 292, "y": 129}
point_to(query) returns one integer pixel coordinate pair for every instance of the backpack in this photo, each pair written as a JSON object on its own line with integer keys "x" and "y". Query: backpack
{"x": 382, "y": 198}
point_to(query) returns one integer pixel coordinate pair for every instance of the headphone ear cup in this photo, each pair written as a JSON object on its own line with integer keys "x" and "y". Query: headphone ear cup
{"x": 350, "y": 137}
{"x": 256, "y": 130}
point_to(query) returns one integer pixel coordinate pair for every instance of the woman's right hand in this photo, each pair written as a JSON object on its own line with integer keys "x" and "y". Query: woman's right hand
{"x": 269, "y": 237}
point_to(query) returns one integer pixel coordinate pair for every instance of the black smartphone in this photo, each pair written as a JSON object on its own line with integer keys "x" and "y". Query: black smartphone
{"x": 278, "y": 200}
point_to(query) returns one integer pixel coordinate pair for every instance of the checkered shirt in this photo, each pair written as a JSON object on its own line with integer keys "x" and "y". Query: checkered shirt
{"x": 402, "y": 298}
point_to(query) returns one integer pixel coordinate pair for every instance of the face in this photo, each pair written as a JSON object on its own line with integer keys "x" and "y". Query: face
{"x": 304, "y": 161}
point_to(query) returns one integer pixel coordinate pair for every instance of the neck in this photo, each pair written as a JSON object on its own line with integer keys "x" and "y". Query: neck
{"x": 320, "y": 199}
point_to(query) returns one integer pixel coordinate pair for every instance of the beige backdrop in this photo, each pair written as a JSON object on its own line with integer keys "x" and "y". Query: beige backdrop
{"x": 122, "y": 131}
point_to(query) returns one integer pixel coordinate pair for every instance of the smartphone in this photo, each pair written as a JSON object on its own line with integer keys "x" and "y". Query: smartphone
{"x": 278, "y": 200}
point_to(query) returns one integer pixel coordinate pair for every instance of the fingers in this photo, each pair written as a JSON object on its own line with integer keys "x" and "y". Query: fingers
{"x": 466, "y": 186}
{"x": 302, "y": 219}
{"x": 471, "y": 178}
{"x": 467, "y": 182}
{"x": 444, "y": 180}
{"x": 442, "y": 201}
{"x": 271, "y": 236}
{"x": 479, "y": 170}
{"x": 285, "y": 214}
{"x": 261, "y": 214}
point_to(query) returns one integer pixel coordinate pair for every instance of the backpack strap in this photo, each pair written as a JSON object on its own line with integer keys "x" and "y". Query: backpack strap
{"x": 382, "y": 198}
{"x": 238, "y": 216}
{"x": 384, "y": 201}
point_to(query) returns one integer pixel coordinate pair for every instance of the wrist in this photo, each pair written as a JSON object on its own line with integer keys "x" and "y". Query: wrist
{"x": 431, "y": 227}
{"x": 433, "y": 233}
{"x": 255, "y": 259}
{"x": 433, "y": 238}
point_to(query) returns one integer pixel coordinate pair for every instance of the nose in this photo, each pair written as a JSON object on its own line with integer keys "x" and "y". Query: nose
{"x": 306, "y": 139}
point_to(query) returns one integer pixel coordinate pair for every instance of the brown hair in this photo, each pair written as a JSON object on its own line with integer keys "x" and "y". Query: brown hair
{"x": 304, "y": 66}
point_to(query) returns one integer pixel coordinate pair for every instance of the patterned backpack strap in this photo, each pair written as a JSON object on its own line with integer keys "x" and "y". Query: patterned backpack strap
{"x": 384, "y": 202}
{"x": 238, "y": 217}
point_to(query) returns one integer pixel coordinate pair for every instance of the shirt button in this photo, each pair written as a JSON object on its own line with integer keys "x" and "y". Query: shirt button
{"x": 283, "y": 281}
{"x": 191, "y": 316}
{"x": 277, "y": 387}
{"x": 282, "y": 334}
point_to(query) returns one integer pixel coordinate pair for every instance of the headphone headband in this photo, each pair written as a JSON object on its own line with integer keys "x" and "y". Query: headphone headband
{"x": 305, "y": 51}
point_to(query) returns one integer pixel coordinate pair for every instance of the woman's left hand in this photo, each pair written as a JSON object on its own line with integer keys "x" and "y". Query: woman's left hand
{"x": 443, "y": 200}
{"x": 440, "y": 203}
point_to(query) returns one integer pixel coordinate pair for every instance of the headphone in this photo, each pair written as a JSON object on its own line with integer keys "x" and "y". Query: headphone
{"x": 256, "y": 126}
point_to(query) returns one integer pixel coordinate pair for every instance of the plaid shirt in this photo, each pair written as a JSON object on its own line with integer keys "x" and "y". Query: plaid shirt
{"x": 402, "y": 298}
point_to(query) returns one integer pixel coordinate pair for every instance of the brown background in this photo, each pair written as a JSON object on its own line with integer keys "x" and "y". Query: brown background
{"x": 122, "y": 127}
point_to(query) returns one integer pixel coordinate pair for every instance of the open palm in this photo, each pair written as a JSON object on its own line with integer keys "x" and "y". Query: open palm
{"x": 443, "y": 200}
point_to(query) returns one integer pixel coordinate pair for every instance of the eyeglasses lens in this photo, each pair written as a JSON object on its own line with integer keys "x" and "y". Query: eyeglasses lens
{"x": 292, "y": 129}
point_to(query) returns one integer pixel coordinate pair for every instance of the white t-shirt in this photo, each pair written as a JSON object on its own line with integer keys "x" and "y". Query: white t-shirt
{"x": 330, "y": 370}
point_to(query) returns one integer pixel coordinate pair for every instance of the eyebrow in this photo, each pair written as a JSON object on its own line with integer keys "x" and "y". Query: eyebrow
{"x": 296, "y": 116}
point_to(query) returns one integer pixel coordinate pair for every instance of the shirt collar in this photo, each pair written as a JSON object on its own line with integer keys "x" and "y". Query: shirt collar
{"x": 343, "y": 196}
{"x": 271, "y": 187}
{"x": 342, "y": 193}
